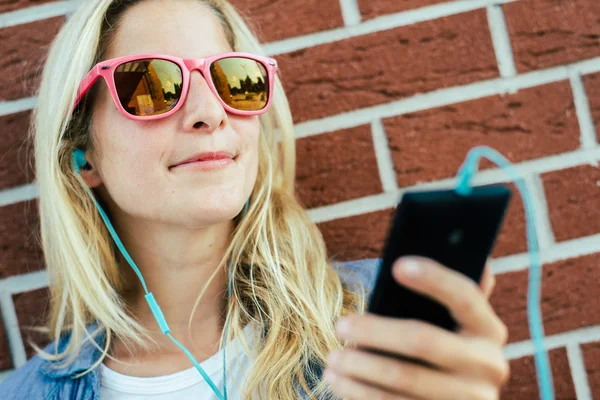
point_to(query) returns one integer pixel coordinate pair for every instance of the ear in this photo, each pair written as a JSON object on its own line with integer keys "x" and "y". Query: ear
{"x": 88, "y": 173}
{"x": 91, "y": 177}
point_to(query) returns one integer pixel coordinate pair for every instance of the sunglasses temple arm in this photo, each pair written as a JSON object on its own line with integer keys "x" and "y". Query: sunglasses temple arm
{"x": 87, "y": 82}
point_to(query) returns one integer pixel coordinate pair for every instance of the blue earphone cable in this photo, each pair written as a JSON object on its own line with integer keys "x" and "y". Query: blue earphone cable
{"x": 466, "y": 172}
{"x": 79, "y": 161}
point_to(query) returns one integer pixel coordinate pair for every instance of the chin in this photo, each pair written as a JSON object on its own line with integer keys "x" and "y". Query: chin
{"x": 213, "y": 210}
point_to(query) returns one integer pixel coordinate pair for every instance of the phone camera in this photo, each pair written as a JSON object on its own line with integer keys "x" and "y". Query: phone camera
{"x": 455, "y": 237}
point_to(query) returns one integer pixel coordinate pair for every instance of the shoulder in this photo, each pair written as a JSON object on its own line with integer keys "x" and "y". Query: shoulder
{"x": 39, "y": 378}
{"x": 28, "y": 382}
{"x": 359, "y": 272}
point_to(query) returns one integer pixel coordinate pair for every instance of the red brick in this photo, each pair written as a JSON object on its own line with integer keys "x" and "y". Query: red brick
{"x": 32, "y": 309}
{"x": 16, "y": 153}
{"x": 569, "y": 297}
{"x": 512, "y": 238}
{"x": 592, "y": 88}
{"x": 522, "y": 384}
{"x": 337, "y": 166}
{"x": 5, "y": 358}
{"x": 534, "y": 122}
{"x": 20, "y": 251}
{"x": 546, "y": 33}
{"x": 11, "y": 5}
{"x": 375, "y": 8}
{"x": 358, "y": 237}
{"x": 572, "y": 195}
{"x": 591, "y": 358}
{"x": 280, "y": 19}
{"x": 381, "y": 67}
{"x": 24, "y": 49}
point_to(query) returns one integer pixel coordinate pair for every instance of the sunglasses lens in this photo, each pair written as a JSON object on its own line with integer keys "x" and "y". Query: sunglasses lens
{"x": 148, "y": 87}
{"x": 242, "y": 83}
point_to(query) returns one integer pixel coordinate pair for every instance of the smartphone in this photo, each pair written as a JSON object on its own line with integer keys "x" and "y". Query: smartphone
{"x": 457, "y": 231}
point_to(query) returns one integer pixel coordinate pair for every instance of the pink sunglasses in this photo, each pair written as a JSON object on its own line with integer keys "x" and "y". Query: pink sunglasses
{"x": 153, "y": 86}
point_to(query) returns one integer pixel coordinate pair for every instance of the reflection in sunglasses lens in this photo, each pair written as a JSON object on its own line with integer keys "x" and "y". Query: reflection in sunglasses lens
{"x": 148, "y": 87}
{"x": 241, "y": 83}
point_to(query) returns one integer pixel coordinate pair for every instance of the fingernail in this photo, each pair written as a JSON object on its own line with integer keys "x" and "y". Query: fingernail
{"x": 330, "y": 375}
{"x": 411, "y": 267}
{"x": 343, "y": 327}
{"x": 333, "y": 357}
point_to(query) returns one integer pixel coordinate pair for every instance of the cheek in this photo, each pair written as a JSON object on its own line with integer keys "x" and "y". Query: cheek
{"x": 250, "y": 137}
{"x": 128, "y": 156}
{"x": 248, "y": 130}
{"x": 124, "y": 143}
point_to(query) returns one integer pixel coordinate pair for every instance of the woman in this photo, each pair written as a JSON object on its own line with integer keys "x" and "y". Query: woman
{"x": 163, "y": 113}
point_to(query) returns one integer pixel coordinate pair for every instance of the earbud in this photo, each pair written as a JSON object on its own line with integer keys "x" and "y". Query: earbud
{"x": 78, "y": 160}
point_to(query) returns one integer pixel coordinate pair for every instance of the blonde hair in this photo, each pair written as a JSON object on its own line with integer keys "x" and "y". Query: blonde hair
{"x": 281, "y": 277}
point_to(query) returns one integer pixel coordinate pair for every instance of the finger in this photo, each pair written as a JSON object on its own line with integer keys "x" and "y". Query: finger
{"x": 351, "y": 389}
{"x": 406, "y": 378}
{"x": 456, "y": 291}
{"x": 438, "y": 347}
{"x": 488, "y": 281}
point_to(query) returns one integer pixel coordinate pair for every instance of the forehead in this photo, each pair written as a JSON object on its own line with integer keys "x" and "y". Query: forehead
{"x": 182, "y": 28}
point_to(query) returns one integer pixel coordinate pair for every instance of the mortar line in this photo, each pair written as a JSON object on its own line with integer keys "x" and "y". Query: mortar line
{"x": 582, "y": 108}
{"x": 36, "y": 13}
{"x": 578, "y": 372}
{"x": 385, "y": 164}
{"x": 350, "y": 12}
{"x": 501, "y": 40}
{"x": 11, "y": 328}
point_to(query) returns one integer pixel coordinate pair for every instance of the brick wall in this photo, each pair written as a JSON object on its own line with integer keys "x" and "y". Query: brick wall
{"x": 400, "y": 90}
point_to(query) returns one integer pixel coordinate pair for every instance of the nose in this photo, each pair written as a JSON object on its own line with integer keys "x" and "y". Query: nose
{"x": 202, "y": 110}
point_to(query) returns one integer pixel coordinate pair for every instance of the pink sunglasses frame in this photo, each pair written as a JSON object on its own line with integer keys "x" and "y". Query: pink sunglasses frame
{"x": 105, "y": 69}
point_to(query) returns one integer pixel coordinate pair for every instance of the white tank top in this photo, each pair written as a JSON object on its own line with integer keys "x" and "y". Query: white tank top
{"x": 183, "y": 385}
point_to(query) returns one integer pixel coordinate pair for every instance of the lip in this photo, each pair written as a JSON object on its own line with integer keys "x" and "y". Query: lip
{"x": 206, "y": 160}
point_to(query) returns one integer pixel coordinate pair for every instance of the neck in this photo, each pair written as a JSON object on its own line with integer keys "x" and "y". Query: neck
{"x": 177, "y": 265}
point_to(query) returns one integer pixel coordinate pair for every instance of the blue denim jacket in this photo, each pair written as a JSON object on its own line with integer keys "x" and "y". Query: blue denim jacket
{"x": 40, "y": 379}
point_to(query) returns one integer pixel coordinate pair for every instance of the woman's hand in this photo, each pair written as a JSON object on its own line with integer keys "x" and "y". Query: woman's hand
{"x": 464, "y": 365}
